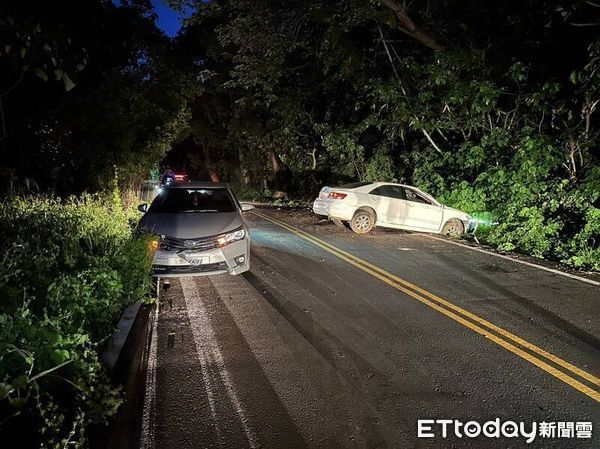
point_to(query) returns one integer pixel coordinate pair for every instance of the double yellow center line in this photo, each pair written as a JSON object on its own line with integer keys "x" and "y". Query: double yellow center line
{"x": 544, "y": 360}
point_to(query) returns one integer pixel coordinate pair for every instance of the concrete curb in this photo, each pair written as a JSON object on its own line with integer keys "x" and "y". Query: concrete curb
{"x": 117, "y": 341}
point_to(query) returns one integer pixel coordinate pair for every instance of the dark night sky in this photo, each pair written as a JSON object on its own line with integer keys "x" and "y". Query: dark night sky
{"x": 168, "y": 20}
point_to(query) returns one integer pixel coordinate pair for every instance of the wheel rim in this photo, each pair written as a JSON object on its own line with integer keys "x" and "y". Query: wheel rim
{"x": 453, "y": 229}
{"x": 362, "y": 222}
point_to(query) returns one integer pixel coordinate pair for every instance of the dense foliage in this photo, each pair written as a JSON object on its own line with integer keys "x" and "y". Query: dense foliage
{"x": 490, "y": 106}
{"x": 88, "y": 91}
{"x": 67, "y": 271}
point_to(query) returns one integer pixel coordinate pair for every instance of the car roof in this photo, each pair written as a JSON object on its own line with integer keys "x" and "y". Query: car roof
{"x": 368, "y": 187}
{"x": 377, "y": 184}
{"x": 198, "y": 185}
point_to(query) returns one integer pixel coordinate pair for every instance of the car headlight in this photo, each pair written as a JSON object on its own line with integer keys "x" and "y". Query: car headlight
{"x": 231, "y": 237}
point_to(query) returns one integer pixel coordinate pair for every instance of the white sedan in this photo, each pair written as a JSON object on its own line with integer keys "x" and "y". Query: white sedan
{"x": 363, "y": 205}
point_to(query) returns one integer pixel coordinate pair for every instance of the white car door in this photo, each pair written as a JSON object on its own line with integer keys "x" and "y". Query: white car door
{"x": 389, "y": 204}
{"x": 421, "y": 213}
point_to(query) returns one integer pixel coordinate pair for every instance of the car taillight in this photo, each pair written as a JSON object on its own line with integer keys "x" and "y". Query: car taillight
{"x": 337, "y": 195}
{"x": 179, "y": 177}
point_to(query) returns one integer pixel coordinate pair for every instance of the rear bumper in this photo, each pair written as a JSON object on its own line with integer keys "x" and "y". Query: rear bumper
{"x": 321, "y": 207}
{"x": 233, "y": 259}
{"x": 333, "y": 209}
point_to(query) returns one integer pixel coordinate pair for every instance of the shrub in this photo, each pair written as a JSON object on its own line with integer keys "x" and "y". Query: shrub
{"x": 67, "y": 271}
{"x": 522, "y": 194}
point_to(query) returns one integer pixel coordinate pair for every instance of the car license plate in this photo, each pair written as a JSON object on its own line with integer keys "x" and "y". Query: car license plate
{"x": 193, "y": 258}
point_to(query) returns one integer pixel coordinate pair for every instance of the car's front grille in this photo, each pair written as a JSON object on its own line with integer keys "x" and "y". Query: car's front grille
{"x": 175, "y": 244}
{"x": 188, "y": 269}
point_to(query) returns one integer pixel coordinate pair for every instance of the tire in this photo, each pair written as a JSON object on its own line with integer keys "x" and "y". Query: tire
{"x": 454, "y": 228}
{"x": 363, "y": 221}
{"x": 341, "y": 224}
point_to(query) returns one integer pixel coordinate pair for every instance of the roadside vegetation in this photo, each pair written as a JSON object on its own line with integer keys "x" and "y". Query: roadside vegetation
{"x": 91, "y": 98}
{"x": 67, "y": 271}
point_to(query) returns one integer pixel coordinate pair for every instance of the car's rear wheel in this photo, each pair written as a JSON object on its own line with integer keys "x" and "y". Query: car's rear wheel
{"x": 453, "y": 228}
{"x": 363, "y": 221}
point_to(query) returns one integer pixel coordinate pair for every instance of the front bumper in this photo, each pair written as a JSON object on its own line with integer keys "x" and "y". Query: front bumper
{"x": 233, "y": 258}
{"x": 471, "y": 226}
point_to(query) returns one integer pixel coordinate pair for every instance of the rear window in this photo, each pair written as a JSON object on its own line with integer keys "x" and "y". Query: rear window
{"x": 193, "y": 200}
{"x": 355, "y": 185}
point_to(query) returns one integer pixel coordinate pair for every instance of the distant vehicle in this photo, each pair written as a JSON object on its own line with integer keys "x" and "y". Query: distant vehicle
{"x": 199, "y": 230}
{"x": 364, "y": 205}
{"x": 170, "y": 177}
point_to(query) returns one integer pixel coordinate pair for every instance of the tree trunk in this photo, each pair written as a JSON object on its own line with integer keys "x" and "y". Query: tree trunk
{"x": 214, "y": 176}
{"x": 408, "y": 27}
{"x": 243, "y": 169}
{"x": 278, "y": 174}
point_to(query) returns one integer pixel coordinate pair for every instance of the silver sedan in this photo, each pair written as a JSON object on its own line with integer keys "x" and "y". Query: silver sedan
{"x": 199, "y": 230}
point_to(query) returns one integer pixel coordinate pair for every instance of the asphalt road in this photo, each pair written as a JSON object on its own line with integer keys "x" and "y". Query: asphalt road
{"x": 346, "y": 341}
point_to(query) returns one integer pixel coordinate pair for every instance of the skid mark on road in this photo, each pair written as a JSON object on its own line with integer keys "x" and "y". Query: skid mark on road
{"x": 498, "y": 290}
{"x": 294, "y": 386}
{"x": 149, "y": 410}
{"x": 209, "y": 351}
{"x": 209, "y": 388}
{"x": 513, "y": 259}
{"x": 496, "y": 334}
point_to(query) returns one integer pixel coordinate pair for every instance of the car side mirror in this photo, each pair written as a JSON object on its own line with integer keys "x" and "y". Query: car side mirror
{"x": 246, "y": 207}
{"x": 143, "y": 207}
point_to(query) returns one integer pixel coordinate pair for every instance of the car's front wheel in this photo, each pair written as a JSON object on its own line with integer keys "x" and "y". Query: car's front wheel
{"x": 362, "y": 221}
{"x": 453, "y": 228}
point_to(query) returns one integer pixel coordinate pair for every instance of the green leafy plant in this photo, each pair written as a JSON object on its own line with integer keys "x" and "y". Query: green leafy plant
{"x": 67, "y": 270}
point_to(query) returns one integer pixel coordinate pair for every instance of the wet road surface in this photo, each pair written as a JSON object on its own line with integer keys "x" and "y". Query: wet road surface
{"x": 326, "y": 344}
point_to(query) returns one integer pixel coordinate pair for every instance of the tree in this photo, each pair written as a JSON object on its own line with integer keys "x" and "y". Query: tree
{"x": 121, "y": 101}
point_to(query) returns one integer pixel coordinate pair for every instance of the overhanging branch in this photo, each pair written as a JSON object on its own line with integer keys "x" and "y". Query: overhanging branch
{"x": 408, "y": 27}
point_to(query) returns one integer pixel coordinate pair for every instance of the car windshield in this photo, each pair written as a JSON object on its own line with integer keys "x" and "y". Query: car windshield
{"x": 193, "y": 200}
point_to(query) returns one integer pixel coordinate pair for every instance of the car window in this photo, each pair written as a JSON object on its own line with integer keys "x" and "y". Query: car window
{"x": 193, "y": 200}
{"x": 354, "y": 185}
{"x": 389, "y": 191}
{"x": 416, "y": 197}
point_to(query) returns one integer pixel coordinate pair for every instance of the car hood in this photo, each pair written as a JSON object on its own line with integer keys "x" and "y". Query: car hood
{"x": 454, "y": 212}
{"x": 190, "y": 225}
